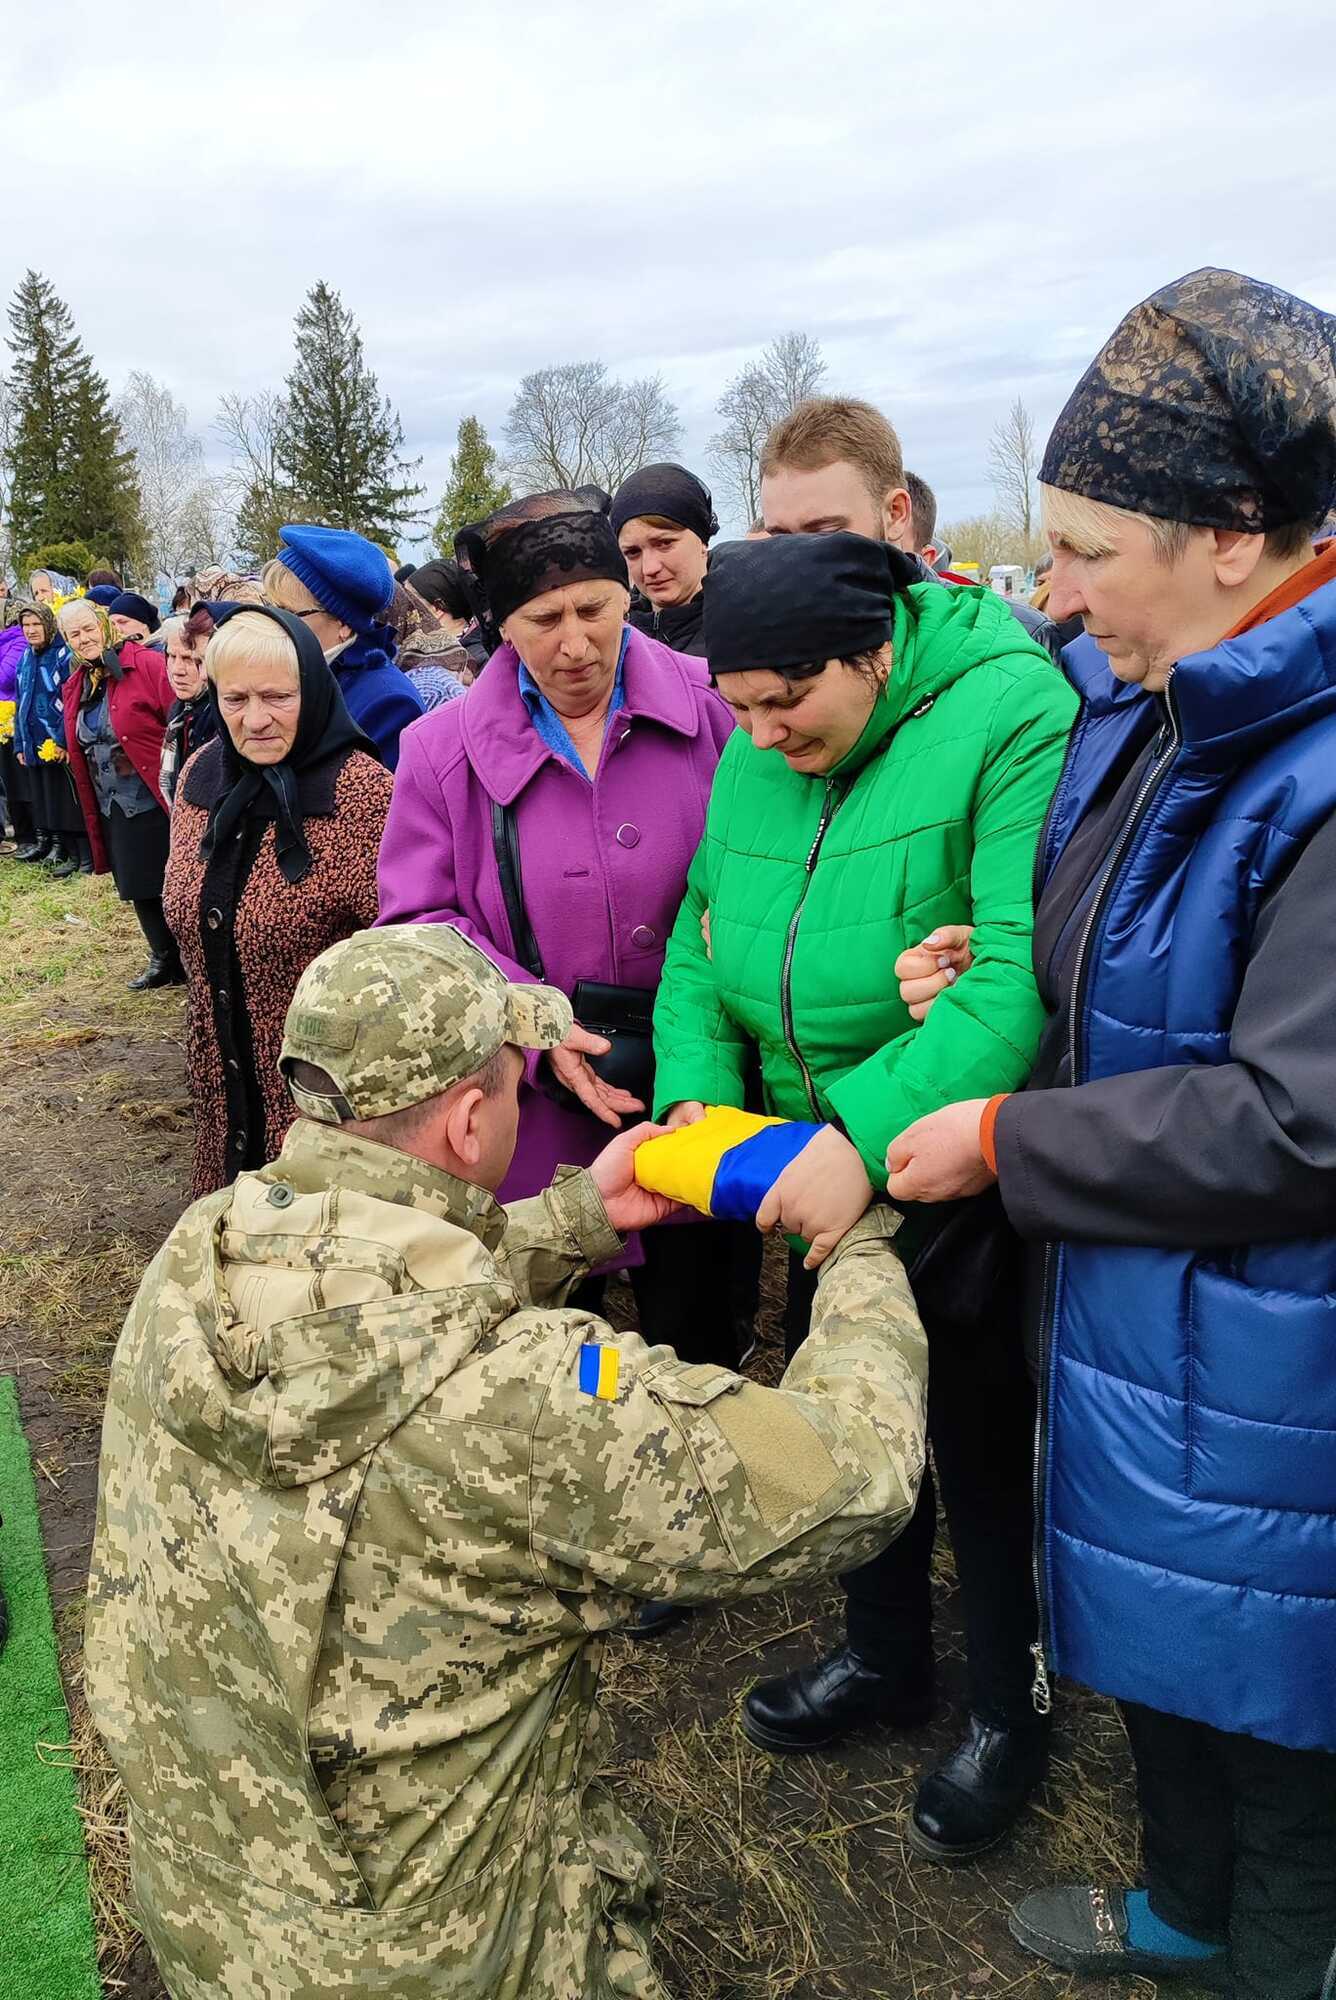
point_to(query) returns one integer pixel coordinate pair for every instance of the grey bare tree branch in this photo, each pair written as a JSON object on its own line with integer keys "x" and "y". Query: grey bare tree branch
{"x": 791, "y": 369}
{"x": 576, "y": 425}
{"x": 1013, "y": 460}
{"x": 170, "y": 463}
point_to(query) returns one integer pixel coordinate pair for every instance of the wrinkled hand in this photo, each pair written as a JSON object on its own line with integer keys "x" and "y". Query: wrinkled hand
{"x": 570, "y": 1067}
{"x": 688, "y": 1112}
{"x": 819, "y": 1196}
{"x": 938, "y": 1158}
{"x": 926, "y": 970}
{"x": 629, "y": 1205}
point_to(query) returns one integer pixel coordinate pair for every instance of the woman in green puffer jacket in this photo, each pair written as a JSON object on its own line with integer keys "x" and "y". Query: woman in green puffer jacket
{"x": 900, "y": 741}
{"x": 899, "y": 746}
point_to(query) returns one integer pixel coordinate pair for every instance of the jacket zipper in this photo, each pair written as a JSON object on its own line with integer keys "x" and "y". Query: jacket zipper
{"x": 1040, "y": 1692}
{"x": 829, "y": 806}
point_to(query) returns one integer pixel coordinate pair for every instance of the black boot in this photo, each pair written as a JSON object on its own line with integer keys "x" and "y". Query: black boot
{"x": 834, "y": 1697}
{"x": 37, "y": 848}
{"x": 158, "y": 972}
{"x": 657, "y": 1617}
{"x": 63, "y": 863}
{"x": 974, "y": 1799}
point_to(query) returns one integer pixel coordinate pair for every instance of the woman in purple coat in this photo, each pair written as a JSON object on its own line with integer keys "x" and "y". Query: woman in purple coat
{"x": 579, "y": 766}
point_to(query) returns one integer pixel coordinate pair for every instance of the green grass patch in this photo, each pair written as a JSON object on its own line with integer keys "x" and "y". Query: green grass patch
{"x": 46, "y": 1919}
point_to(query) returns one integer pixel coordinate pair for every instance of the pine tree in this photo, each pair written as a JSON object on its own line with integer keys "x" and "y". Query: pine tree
{"x": 340, "y": 442}
{"x": 70, "y": 475}
{"x": 473, "y": 490}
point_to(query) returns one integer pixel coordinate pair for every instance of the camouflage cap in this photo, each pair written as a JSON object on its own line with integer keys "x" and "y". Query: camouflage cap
{"x": 396, "y": 1015}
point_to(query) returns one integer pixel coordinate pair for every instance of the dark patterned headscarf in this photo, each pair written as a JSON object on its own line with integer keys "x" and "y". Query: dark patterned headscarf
{"x": 1213, "y": 403}
{"x": 540, "y": 543}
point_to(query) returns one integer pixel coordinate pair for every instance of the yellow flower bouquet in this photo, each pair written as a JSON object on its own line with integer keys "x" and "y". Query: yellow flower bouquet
{"x": 51, "y": 752}
{"x": 7, "y": 721}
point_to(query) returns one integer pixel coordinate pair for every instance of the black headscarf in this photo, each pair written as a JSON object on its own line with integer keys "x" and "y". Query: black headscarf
{"x": 669, "y": 491}
{"x": 1212, "y": 403}
{"x": 792, "y": 602}
{"x": 238, "y": 792}
{"x": 537, "y": 544}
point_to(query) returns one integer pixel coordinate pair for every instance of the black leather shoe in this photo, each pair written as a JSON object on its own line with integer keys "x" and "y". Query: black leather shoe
{"x": 834, "y": 1697}
{"x": 974, "y": 1799}
{"x": 63, "y": 864}
{"x": 85, "y": 864}
{"x": 36, "y": 850}
{"x": 1085, "y": 1930}
{"x": 158, "y": 972}
{"x": 655, "y": 1618}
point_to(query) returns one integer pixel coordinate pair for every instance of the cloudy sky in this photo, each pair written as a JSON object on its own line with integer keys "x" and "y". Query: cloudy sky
{"x": 958, "y": 201}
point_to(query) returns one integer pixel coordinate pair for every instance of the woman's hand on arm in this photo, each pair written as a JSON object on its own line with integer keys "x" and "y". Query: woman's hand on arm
{"x": 940, "y": 1157}
{"x": 926, "y": 970}
{"x": 819, "y": 1196}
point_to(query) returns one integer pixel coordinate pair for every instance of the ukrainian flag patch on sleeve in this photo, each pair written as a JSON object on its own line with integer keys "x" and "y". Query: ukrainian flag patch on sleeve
{"x": 599, "y": 1370}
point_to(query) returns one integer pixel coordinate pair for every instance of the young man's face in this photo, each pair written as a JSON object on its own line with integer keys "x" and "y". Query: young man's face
{"x": 831, "y": 497}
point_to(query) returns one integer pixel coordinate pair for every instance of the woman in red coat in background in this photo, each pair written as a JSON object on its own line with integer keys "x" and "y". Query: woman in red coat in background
{"x": 116, "y": 703}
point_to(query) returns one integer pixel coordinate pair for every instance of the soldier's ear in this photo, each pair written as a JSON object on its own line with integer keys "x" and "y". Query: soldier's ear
{"x": 463, "y": 1125}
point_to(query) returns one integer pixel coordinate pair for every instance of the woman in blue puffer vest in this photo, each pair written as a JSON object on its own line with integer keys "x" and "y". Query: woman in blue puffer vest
{"x": 1172, "y": 1162}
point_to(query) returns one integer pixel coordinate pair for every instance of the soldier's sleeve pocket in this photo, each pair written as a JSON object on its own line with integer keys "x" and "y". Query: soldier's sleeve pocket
{"x": 771, "y": 1473}
{"x": 695, "y": 1384}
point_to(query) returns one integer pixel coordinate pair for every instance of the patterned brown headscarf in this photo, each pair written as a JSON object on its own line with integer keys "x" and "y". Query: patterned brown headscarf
{"x": 1213, "y": 403}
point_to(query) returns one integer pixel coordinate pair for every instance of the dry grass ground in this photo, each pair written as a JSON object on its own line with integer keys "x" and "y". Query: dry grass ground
{"x": 787, "y": 1879}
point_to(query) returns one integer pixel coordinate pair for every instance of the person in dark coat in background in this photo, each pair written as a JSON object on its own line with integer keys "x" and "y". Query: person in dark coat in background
{"x": 13, "y": 778}
{"x": 440, "y": 584}
{"x": 663, "y": 518}
{"x": 116, "y": 701}
{"x": 1171, "y": 1163}
{"x": 192, "y": 720}
{"x": 133, "y": 617}
{"x": 39, "y": 741}
{"x": 340, "y": 585}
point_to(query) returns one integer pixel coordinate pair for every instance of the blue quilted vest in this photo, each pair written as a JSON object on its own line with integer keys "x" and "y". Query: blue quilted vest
{"x": 1188, "y": 1507}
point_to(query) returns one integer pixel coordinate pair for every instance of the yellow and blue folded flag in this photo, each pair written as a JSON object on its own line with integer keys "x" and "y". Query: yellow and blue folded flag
{"x": 725, "y": 1164}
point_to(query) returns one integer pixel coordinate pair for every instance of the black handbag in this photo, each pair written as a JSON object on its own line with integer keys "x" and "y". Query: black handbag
{"x": 623, "y": 1015}
{"x": 971, "y": 1262}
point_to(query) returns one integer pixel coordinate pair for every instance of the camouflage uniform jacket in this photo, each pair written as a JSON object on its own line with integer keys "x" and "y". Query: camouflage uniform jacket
{"x": 360, "y": 1532}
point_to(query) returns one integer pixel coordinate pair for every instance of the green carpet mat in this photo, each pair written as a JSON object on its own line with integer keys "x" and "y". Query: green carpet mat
{"x": 47, "y": 1946}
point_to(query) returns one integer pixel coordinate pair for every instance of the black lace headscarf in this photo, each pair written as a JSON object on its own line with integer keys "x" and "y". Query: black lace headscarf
{"x": 1212, "y": 403}
{"x": 535, "y": 544}
{"x": 242, "y": 796}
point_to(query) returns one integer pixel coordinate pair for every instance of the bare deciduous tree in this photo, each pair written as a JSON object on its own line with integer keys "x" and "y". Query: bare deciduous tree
{"x": 791, "y": 369}
{"x": 170, "y": 463}
{"x": 207, "y": 525}
{"x": 985, "y": 539}
{"x": 252, "y": 429}
{"x": 1013, "y": 460}
{"x": 576, "y": 425}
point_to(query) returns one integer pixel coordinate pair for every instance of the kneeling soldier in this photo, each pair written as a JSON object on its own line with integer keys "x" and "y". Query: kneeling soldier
{"x": 371, "y": 1496}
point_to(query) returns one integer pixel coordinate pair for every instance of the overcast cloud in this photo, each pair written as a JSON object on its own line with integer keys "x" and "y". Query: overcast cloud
{"x": 959, "y": 202}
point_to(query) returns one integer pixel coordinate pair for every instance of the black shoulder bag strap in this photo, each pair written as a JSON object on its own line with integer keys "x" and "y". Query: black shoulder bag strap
{"x": 506, "y": 841}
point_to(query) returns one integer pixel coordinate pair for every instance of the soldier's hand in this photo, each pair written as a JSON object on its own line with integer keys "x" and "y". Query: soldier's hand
{"x": 926, "y": 970}
{"x": 629, "y": 1205}
{"x": 605, "y": 1100}
{"x": 820, "y": 1195}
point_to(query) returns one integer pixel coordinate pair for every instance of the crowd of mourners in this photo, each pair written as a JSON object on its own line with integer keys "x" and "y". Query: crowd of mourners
{"x": 1019, "y": 907}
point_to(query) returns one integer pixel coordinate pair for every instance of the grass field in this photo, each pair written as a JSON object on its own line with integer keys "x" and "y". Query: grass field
{"x": 783, "y": 1877}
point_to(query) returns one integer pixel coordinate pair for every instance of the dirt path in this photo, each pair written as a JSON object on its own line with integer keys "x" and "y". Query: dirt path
{"x": 783, "y": 1877}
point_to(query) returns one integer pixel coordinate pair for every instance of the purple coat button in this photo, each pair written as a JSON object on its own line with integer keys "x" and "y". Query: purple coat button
{"x": 643, "y": 935}
{"x": 628, "y": 835}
